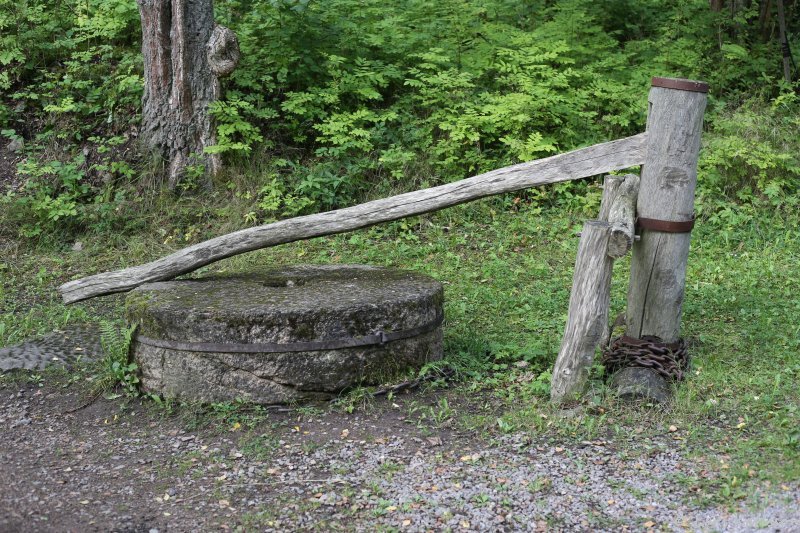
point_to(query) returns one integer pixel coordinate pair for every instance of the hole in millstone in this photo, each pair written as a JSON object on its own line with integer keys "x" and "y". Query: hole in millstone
{"x": 283, "y": 282}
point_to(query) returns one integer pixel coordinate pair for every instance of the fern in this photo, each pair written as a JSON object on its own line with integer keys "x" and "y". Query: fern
{"x": 119, "y": 370}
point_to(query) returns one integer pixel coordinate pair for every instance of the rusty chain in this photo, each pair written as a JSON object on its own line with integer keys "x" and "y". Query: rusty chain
{"x": 669, "y": 360}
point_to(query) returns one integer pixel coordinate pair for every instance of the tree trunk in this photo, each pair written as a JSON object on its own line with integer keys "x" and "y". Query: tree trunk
{"x": 185, "y": 54}
{"x": 787, "y": 55}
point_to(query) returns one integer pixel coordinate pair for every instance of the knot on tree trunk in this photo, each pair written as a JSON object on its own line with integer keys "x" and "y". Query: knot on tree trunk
{"x": 223, "y": 51}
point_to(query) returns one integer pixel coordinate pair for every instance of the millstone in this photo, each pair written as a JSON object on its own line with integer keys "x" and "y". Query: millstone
{"x": 291, "y": 334}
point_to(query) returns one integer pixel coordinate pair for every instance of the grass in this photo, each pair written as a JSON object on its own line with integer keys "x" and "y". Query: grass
{"x": 507, "y": 271}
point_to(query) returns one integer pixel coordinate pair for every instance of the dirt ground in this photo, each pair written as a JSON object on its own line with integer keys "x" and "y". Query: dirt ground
{"x": 132, "y": 466}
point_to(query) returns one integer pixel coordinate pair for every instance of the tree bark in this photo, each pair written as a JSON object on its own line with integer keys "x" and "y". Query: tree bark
{"x": 787, "y": 65}
{"x": 185, "y": 54}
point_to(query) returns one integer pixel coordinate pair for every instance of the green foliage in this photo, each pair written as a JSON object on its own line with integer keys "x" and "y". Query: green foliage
{"x": 118, "y": 369}
{"x": 361, "y": 97}
{"x": 50, "y": 201}
{"x": 753, "y": 152}
{"x": 234, "y": 132}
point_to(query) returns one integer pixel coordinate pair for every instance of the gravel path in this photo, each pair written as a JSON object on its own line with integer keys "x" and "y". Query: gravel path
{"x": 104, "y": 468}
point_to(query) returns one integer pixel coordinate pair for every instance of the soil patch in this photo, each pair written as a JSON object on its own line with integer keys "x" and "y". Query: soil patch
{"x": 129, "y": 466}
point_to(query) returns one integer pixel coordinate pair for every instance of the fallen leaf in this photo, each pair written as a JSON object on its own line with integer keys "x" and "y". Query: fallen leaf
{"x": 649, "y": 524}
{"x": 224, "y": 503}
{"x": 673, "y": 429}
{"x": 406, "y": 523}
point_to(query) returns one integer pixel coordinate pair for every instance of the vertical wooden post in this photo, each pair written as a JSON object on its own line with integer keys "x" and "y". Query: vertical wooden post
{"x": 666, "y": 194}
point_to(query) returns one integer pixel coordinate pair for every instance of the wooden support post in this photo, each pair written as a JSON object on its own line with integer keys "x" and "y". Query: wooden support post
{"x": 669, "y": 177}
{"x": 618, "y": 208}
{"x": 611, "y": 185}
{"x": 587, "y": 319}
{"x": 622, "y": 216}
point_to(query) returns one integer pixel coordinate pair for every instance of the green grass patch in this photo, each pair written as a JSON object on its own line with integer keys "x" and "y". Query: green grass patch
{"x": 507, "y": 271}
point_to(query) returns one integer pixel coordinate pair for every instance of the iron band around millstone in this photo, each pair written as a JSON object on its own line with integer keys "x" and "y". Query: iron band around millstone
{"x": 377, "y": 339}
{"x": 667, "y": 226}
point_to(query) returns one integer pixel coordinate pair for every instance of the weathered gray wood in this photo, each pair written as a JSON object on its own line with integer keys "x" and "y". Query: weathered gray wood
{"x": 622, "y": 215}
{"x": 666, "y": 192}
{"x": 635, "y": 383}
{"x": 587, "y": 318}
{"x": 610, "y": 186}
{"x": 582, "y": 163}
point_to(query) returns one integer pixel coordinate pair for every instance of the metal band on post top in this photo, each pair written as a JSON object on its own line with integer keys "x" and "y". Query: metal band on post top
{"x": 377, "y": 339}
{"x": 680, "y": 84}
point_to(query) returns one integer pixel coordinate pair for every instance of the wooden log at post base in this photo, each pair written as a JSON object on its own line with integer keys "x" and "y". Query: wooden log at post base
{"x": 666, "y": 193}
{"x": 587, "y": 319}
{"x": 636, "y": 383}
{"x": 582, "y": 163}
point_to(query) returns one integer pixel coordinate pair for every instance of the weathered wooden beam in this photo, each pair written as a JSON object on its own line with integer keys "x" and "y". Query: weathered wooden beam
{"x": 666, "y": 193}
{"x": 621, "y": 216}
{"x": 587, "y": 318}
{"x": 597, "y": 159}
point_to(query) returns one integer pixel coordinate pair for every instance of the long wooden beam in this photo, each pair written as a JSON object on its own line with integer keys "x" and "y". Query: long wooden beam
{"x": 582, "y": 163}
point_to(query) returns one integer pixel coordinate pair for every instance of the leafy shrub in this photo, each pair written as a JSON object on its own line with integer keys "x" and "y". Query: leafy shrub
{"x": 752, "y": 152}
{"x": 368, "y": 97}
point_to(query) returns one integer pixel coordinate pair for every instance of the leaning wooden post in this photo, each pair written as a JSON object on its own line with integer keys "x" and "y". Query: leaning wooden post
{"x": 587, "y": 318}
{"x": 665, "y": 211}
{"x": 602, "y": 241}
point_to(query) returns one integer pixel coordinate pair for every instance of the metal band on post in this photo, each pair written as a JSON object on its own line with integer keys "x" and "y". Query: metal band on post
{"x": 667, "y": 226}
{"x": 681, "y": 85}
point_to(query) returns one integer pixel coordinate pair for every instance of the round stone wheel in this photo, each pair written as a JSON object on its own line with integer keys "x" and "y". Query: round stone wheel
{"x": 291, "y": 334}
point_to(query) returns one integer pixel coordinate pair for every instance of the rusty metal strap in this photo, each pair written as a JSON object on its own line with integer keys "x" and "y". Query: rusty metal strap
{"x": 681, "y": 85}
{"x": 667, "y": 226}
{"x": 379, "y": 338}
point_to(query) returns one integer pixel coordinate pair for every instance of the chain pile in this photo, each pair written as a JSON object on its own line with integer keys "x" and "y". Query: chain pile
{"x": 669, "y": 360}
